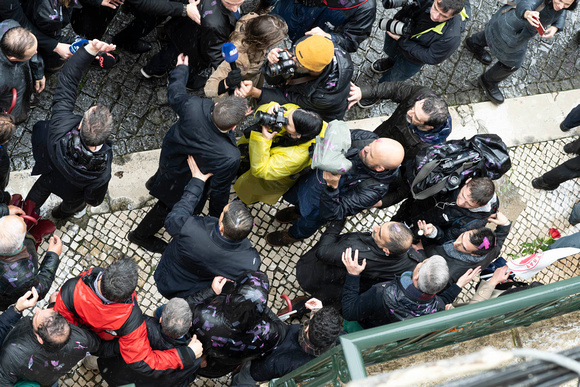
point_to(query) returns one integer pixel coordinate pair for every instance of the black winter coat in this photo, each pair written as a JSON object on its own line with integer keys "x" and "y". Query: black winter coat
{"x": 430, "y": 47}
{"x": 457, "y": 267}
{"x": 117, "y": 373}
{"x": 388, "y": 302}
{"x": 17, "y": 75}
{"x": 321, "y": 273}
{"x": 285, "y": 358}
{"x": 326, "y": 95}
{"x": 441, "y": 210}
{"x": 194, "y": 134}
{"x": 7, "y": 321}
{"x": 397, "y": 126}
{"x": 203, "y": 43}
{"x": 20, "y": 272}
{"x": 22, "y": 357}
{"x": 198, "y": 252}
{"x": 51, "y": 143}
{"x": 12, "y": 9}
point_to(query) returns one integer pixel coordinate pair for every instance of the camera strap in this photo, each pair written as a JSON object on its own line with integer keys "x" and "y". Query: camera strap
{"x": 297, "y": 81}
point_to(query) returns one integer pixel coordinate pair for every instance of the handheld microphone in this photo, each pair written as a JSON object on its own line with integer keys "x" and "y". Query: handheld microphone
{"x": 230, "y": 54}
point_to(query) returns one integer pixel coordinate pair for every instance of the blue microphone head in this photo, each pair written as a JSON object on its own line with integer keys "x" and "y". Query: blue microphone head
{"x": 229, "y": 52}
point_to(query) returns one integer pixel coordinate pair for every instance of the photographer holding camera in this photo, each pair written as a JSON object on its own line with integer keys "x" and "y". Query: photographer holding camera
{"x": 422, "y": 32}
{"x": 278, "y": 148}
{"x": 315, "y": 76}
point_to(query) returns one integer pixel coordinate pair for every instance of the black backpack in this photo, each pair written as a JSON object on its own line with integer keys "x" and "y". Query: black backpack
{"x": 443, "y": 167}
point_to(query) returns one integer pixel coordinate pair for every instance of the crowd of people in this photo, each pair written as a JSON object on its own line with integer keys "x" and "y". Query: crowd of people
{"x": 217, "y": 320}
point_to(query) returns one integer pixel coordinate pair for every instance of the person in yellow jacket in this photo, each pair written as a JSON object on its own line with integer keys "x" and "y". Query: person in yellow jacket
{"x": 277, "y": 156}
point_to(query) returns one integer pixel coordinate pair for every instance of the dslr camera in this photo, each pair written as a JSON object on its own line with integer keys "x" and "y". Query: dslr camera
{"x": 285, "y": 66}
{"x": 397, "y": 27}
{"x": 275, "y": 120}
{"x": 388, "y": 4}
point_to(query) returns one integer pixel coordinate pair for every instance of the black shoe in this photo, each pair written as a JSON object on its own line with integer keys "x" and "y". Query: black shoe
{"x": 539, "y": 183}
{"x": 280, "y": 239}
{"x": 564, "y": 128}
{"x": 138, "y": 46}
{"x": 367, "y": 103}
{"x": 151, "y": 75}
{"x": 491, "y": 91}
{"x": 479, "y": 52}
{"x": 573, "y": 148}
{"x": 151, "y": 243}
{"x": 287, "y": 215}
{"x": 58, "y": 214}
{"x": 382, "y": 65}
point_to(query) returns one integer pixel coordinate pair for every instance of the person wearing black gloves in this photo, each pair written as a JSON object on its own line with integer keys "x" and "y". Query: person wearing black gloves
{"x": 320, "y": 80}
{"x": 253, "y": 36}
{"x": 71, "y": 152}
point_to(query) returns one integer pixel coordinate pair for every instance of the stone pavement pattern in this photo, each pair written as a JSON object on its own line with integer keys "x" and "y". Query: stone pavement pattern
{"x": 140, "y": 111}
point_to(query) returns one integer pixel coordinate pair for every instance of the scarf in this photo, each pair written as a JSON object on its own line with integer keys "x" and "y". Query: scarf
{"x": 412, "y": 291}
{"x": 450, "y": 251}
{"x": 436, "y": 135}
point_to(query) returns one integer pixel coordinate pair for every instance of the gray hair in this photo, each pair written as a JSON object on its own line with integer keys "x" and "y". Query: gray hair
{"x": 433, "y": 275}
{"x": 11, "y": 236}
{"x": 176, "y": 318}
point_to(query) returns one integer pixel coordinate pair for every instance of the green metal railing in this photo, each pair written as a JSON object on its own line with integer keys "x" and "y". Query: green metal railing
{"x": 358, "y": 350}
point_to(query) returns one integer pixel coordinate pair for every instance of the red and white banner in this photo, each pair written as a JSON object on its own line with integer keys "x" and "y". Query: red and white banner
{"x": 529, "y": 266}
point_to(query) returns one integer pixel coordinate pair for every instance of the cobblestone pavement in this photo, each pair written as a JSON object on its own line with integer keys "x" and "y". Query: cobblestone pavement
{"x": 97, "y": 240}
{"x": 142, "y": 115}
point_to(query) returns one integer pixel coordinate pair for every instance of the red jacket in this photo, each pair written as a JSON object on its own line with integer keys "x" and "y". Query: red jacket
{"x": 78, "y": 302}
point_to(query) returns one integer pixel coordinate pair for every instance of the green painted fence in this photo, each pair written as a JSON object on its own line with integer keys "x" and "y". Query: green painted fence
{"x": 358, "y": 350}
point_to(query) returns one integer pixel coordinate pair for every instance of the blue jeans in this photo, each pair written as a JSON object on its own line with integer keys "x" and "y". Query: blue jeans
{"x": 306, "y": 225}
{"x": 402, "y": 69}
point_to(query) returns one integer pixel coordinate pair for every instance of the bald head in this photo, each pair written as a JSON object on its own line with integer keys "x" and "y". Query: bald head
{"x": 18, "y": 44}
{"x": 381, "y": 154}
{"x": 12, "y": 233}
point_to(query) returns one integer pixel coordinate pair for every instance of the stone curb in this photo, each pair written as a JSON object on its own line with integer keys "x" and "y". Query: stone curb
{"x": 538, "y": 117}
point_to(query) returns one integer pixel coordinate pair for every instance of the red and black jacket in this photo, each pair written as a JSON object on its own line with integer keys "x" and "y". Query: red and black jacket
{"x": 78, "y": 302}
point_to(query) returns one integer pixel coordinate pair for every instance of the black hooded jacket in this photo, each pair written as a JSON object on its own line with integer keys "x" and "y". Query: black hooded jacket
{"x": 326, "y": 95}
{"x": 57, "y": 147}
{"x": 321, "y": 273}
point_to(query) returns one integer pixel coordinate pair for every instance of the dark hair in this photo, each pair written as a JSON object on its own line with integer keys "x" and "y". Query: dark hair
{"x": 119, "y": 280}
{"x": 229, "y": 112}
{"x": 54, "y": 332}
{"x": 237, "y": 221}
{"x": 258, "y": 34}
{"x": 16, "y": 41}
{"x": 96, "y": 126}
{"x": 400, "y": 238}
{"x": 324, "y": 327}
{"x": 481, "y": 190}
{"x": 176, "y": 318}
{"x": 7, "y": 127}
{"x": 572, "y": 6}
{"x": 307, "y": 123}
{"x": 482, "y": 237}
{"x": 455, "y": 5}
{"x": 437, "y": 110}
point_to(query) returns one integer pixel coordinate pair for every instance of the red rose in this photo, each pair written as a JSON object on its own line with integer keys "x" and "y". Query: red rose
{"x": 554, "y": 233}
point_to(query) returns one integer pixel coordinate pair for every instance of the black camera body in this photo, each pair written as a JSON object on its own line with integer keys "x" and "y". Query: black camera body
{"x": 284, "y": 67}
{"x": 275, "y": 121}
{"x": 388, "y": 4}
{"x": 397, "y": 27}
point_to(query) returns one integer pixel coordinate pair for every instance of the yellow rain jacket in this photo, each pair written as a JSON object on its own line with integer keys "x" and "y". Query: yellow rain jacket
{"x": 271, "y": 168}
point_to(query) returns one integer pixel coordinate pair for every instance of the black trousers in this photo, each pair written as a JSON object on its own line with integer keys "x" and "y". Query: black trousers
{"x": 92, "y": 22}
{"x": 499, "y": 71}
{"x": 568, "y": 170}
{"x": 42, "y": 189}
{"x": 153, "y": 220}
